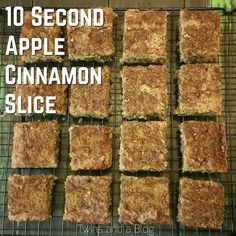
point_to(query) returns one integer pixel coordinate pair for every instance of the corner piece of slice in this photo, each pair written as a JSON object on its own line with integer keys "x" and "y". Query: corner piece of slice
{"x": 50, "y": 32}
{"x": 144, "y": 146}
{"x": 90, "y": 147}
{"x": 87, "y": 199}
{"x": 204, "y": 146}
{"x": 200, "y": 90}
{"x": 201, "y": 203}
{"x": 144, "y": 200}
{"x": 200, "y": 35}
{"x": 29, "y": 197}
{"x": 145, "y": 37}
{"x": 36, "y": 144}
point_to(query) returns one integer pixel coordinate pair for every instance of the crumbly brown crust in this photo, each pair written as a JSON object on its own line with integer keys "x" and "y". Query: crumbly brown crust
{"x": 29, "y": 31}
{"x": 144, "y": 200}
{"x": 204, "y": 146}
{"x": 91, "y": 100}
{"x": 145, "y": 91}
{"x": 92, "y": 43}
{"x": 199, "y": 89}
{"x": 88, "y": 199}
{"x": 201, "y": 203}
{"x": 44, "y": 90}
{"x": 35, "y": 144}
{"x": 145, "y": 37}
{"x": 29, "y": 197}
{"x": 200, "y": 35}
{"x": 143, "y": 146}
{"x": 90, "y": 147}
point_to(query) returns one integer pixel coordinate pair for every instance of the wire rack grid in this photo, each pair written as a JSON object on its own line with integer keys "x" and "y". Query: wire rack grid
{"x": 55, "y": 225}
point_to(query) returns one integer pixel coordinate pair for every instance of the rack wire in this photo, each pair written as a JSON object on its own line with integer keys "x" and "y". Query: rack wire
{"x": 55, "y": 225}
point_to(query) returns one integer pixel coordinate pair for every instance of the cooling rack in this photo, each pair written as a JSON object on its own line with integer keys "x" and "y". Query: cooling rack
{"x": 55, "y": 225}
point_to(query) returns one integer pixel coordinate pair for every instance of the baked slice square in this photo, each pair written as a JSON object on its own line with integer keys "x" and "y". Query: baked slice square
{"x": 145, "y": 37}
{"x": 200, "y": 36}
{"x": 144, "y": 200}
{"x": 92, "y": 43}
{"x": 200, "y": 89}
{"x": 50, "y": 32}
{"x": 90, "y": 147}
{"x": 201, "y": 203}
{"x": 145, "y": 92}
{"x": 29, "y": 197}
{"x": 36, "y": 144}
{"x": 44, "y": 90}
{"x": 204, "y": 146}
{"x": 87, "y": 199}
{"x": 143, "y": 146}
{"x": 91, "y": 100}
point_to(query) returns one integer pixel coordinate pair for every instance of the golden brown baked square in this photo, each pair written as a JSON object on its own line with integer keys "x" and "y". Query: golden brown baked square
{"x": 35, "y": 144}
{"x": 91, "y": 100}
{"x": 92, "y": 43}
{"x": 44, "y": 90}
{"x": 145, "y": 91}
{"x": 50, "y": 32}
{"x": 29, "y": 197}
{"x": 144, "y": 200}
{"x": 200, "y": 89}
{"x": 200, "y": 35}
{"x": 201, "y": 203}
{"x": 143, "y": 146}
{"x": 90, "y": 147}
{"x": 87, "y": 199}
{"x": 145, "y": 37}
{"x": 204, "y": 146}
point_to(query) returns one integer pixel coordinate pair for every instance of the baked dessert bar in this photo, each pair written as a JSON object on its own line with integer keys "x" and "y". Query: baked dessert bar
{"x": 90, "y": 147}
{"x": 91, "y": 100}
{"x": 143, "y": 146}
{"x": 145, "y": 91}
{"x": 33, "y": 90}
{"x": 145, "y": 37}
{"x": 29, "y": 197}
{"x": 199, "y": 89}
{"x": 201, "y": 203}
{"x": 144, "y": 200}
{"x": 204, "y": 146}
{"x": 200, "y": 35}
{"x": 35, "y": 144}
{"x": 92, "y": 43}
{"x": 49, "y": 32}
{"x": 87, "y": 199}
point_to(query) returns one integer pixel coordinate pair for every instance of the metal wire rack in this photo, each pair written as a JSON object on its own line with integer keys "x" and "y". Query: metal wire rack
{"x": 55, "y": 225}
